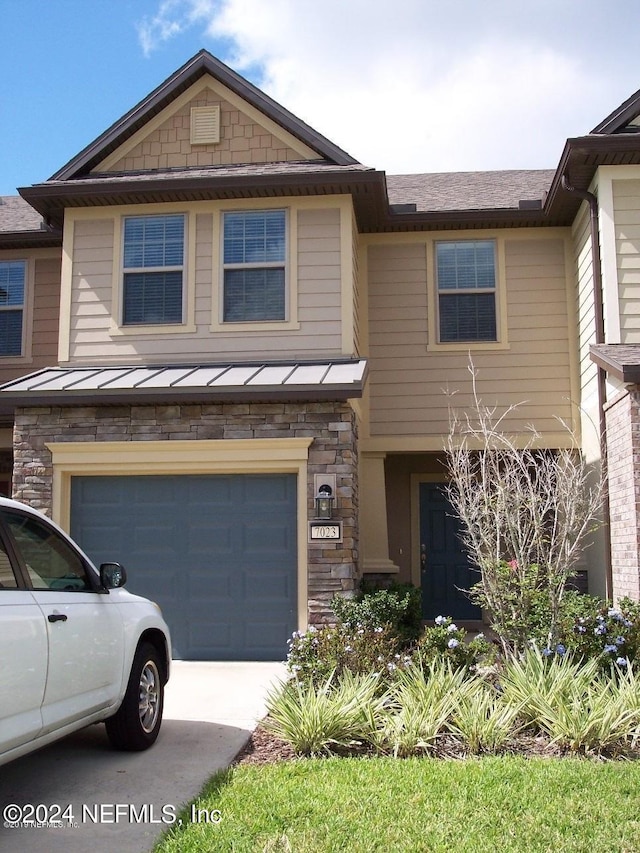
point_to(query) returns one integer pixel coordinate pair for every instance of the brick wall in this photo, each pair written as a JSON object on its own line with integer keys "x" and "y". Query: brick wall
{"x": 332, "y": 567}
{"x": 623, "y": 449}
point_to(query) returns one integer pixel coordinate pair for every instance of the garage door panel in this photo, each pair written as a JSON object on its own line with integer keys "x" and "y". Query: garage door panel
{"x": 217, "y": 552}
{"x": 216, "y": 590}
{"x": 155, "y": 539}
{"x": 261, "y": 538}
{"x": 269, "y": 586}
{"x": 263, "y": 491}
{"x": 210, "y": 538}
{"x": 209, "y": 491}
{"x": 256, "y": 633}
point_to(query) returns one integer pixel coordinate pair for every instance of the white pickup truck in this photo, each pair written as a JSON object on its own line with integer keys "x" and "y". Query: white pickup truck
{"x": 75, "y": 648}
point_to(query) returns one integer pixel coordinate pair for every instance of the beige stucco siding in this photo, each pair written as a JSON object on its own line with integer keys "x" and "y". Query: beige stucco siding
{"x": 626, "y": 199}
{"x": 409, "y": 382}
{"x": 315, "y": 274}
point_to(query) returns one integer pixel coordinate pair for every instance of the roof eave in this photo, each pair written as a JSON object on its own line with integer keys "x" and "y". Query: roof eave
{"x": 41, "y": 239}
{"x": 627, "y": 373}
{"x": 50, "y": 200}
{"x": 477, "y": 218}
{"x": 580, "y": 160}
{"x": 152, "y": 396}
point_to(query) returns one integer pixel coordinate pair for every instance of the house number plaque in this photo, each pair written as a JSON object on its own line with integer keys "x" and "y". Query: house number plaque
{"x": 325, "y": 531}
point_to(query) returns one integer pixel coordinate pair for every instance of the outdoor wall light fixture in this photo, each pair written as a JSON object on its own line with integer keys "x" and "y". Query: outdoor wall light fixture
{"x": 324, "y": 497}
{"x": 324, "y": 502}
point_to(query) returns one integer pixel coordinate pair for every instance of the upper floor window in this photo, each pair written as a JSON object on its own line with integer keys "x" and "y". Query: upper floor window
{"x": 12, "y": 287}
{"x": 466, "y": 280}
{"x": 254, "y": 251}
{"x": 153, "y": 267}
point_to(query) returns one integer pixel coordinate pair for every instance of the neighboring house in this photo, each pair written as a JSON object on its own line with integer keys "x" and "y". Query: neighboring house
{"x": 212, "y": 312}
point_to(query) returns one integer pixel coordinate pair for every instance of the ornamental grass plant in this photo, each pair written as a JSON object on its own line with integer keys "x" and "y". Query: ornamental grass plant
{"x": 484, "y": 721}
{"x": 343, "y": 712}
{"x": 422, "y": 701}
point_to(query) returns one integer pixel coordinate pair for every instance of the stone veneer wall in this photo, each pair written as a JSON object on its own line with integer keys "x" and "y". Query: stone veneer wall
{"x": 332, "y": 567}
{"x": 623, "y": 452}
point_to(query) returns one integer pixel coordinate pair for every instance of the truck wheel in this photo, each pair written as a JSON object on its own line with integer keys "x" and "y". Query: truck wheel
{"x": 136, "y": 724}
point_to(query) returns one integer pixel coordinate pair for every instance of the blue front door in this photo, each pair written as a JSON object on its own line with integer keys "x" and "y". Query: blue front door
{"x": 445, "y": 571}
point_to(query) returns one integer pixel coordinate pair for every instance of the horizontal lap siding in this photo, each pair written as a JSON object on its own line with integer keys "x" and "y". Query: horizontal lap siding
{"x": 43, "y": 275}
{"x": 318, "y": 276}
{"x": 626, "y": 200}
{"x": 410, "y": 384}
{"x": 46, "y": 312}
{"x": 91, "y": 287}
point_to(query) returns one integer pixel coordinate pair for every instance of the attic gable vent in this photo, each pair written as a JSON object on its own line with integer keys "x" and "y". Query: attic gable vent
{"x": 205, "y": 125}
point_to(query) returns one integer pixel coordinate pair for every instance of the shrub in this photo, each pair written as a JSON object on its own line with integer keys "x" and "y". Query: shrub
{"x": 314, "y": 718}
{"x": 317, "y": 653}
{"x": 609, "y": 634}
{"x": 422, "y": 702}
{"x": 445, "y": 641}
{"x": 398, "y": 606}
{"x": 537, "y": 684}
{"x": 579, "y": 708}
{"x": 483, "y": 720}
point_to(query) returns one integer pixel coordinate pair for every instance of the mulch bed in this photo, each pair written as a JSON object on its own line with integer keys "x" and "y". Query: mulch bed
{"x": 265, "y": 748}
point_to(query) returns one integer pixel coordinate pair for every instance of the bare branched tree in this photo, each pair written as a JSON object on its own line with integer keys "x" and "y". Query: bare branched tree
{"x": 525, "y": 516}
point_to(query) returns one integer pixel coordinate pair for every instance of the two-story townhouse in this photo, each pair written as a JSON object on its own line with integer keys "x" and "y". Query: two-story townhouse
{"x": 229, "y": 352}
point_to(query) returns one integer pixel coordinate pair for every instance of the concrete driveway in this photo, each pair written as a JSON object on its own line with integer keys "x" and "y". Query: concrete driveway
{"x": 123, "y": 801}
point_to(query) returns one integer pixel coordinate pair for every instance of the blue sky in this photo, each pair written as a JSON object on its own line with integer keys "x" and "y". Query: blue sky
{"x": 408, "y": 86}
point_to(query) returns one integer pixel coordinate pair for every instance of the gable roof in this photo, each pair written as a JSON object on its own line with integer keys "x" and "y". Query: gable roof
{"x": 199, "y": 65}
{"x": 420, "y": 202}
{"x": 620, "y": 119}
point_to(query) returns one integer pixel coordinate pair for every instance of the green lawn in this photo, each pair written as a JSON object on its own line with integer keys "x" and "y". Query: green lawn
{"x": 492, "y": 804}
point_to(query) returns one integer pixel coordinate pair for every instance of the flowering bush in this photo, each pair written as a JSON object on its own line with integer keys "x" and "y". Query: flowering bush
{"x": 445, "y": 641}
{"x": 399, "y": 606}
{"x": 317, "y": 653}
{"x": 610, "y": 634}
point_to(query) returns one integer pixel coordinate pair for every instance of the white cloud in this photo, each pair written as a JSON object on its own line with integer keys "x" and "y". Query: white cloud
{"x": 410, "y": 85}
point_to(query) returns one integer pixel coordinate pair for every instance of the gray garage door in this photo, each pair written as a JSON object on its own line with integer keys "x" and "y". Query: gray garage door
{"x": 218, "y": 554}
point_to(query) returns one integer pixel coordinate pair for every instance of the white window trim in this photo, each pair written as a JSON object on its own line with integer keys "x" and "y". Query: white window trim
{"x": 187, "y": 325}
{"x": 502, "y": 342}
{"x": 290, "y": 322}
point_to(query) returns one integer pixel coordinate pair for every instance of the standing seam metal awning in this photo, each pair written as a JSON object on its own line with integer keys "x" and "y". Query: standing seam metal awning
{"x": 323, "y": 380}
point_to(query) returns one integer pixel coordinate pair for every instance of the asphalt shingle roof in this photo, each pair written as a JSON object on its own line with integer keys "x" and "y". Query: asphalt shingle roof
{"x": 469, "y": 190}
{"x": 17, "y": 215}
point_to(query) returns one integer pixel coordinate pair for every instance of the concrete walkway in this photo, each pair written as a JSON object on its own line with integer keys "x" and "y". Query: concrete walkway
{"x": 123, "y": 801}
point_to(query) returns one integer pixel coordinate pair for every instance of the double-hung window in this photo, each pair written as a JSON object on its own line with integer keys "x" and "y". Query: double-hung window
{"x": 254, "y": 252}
{"x": 12, "y": 291}
{"x": 466, "y": 281}
{"x": 153, "y": 269}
